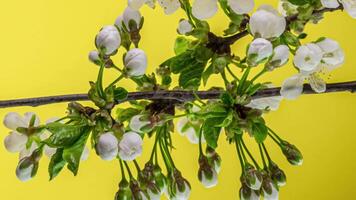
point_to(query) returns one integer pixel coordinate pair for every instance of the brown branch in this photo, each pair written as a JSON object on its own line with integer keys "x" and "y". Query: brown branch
{"x": 179, "y": 96}
{"x": 289, "y": 19}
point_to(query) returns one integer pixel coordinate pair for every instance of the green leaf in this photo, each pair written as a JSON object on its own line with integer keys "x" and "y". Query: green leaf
{"x": 214, "y": 110}
{"x": 227, "y": 99}
{"x": 259, "y": 131}
{"x": 211, "y": 132}
{"x": 64, "y": 135}
{"x": 227, "y": 121}
{"x": 73, "y": 154}
{"x": 207, "y": 73}
{"x": 181, "y": 45}
{"x": 299, "y": 2}
{"x": 126, "y": 114}
{"x": 191, "y": 75}
{"x": 56, "y": 164}
{"x": 120, "y": 94}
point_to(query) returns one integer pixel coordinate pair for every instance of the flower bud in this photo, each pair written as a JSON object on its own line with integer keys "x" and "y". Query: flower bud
{"x": 137, "y": 192}
{"x": 94, "y": 57}
{"x": 108, "y": 40}
{"x": 270, "y": 190}
{"x": 259, "y": 50}
{"x": 251, "y": 177}
{"x": 204, "y": 9}
{"x": 130, "y": 146}
{"x": 293, "y": 155}
{"x": 139, "y": 123}
{"x": 207, "y": 174}
{"x": 277, "y": 175}
{"x": 184, "y": 27}
{"x": 135, "y": 62}
{"x": 180, "y": 187}
{"x": 124, "y": 192}
{"x": 131, "y": 19}
{"x": 107, "y": 146}
{"x": 280, "y": 56}
{"x": 169, "y": 6}
{"x": 159, "y": 179}
{"x": 136, "y": 4}
{"x": 247, "y": 193}
{"x": 241, "y": 6}
{"x": 213, "y": 158}
{"x": 28, "y": 166}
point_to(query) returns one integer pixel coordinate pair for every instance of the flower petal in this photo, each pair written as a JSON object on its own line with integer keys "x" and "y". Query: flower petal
{"x": 204, "y": 9}
{"x": 15, "y": 142}
{"x": 292, "y": 87}
{"x": 330, "y": 3}
{"x": 13, "y": 120}
{"x": 317, "y": 83}
{"x": 169, "y": 6}
{"x": 241, "y": 6}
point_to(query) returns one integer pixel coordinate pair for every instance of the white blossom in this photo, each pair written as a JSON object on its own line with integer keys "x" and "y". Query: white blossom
{"x": 24, "y": 170}
{"x": 253, "y": 195}
{"x": 273, "y": 195}
{"x": 280, "y": 56}
{"x": 292, "y": 87}
{"x": 211, "y": 181}
{"x": 271, "y": 103}
{"x": 169, "y": 6}
{"x": 136, "y": 4}
{"x": 258, "y": 50}
{"x": 267, "y": 23}
{"x": 348, "y": 5}
{"x": 15, "y": 141}
{"x": 137, "y": 122}
{"x": 286, "y": 8}
{"x": 135, "y": 62}
{"x": 184, "y": 27}
{"x": 94, "y": 56}
{"x": 107, "y": 146}
{"x": 153, "y": 195}
{"x": 130, "y": 146}
{"x": 308, "y": 57}
{"x": 108, "y": 39}
{"x": 333, "y": 55}
{"x": 181, "y": 195}
{"x": 118, "y": 22}
{"x": 28, "y": 152}
{"x": 185, "y": 128}
{"x": 330, "y": 3}
{"x": 241, "y": 6}
{"x": 131, "y": 15}
{"x": 204, "y": 9}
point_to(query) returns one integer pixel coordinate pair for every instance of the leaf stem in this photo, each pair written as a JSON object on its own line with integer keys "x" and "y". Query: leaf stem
{"x": 262, "y": 156}
{"x": 249, "y": 153}
{"x": 128, "y": 170}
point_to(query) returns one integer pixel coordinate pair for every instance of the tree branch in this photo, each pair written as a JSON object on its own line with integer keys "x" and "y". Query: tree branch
{"x": 233, "y": 38}
{"x": 179, "y": 96}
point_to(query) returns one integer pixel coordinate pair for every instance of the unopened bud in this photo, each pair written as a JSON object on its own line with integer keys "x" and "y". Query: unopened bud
{"x": 277, "y": 174}
{"x": 180, "y": 188}
{"x": 94, "y": 57}
{"x": 124, "y": 192}
{"x": 213, "y": 158}
{"x": 247, "y": 193}
{"x": 252, "y": 177}
{"x": 28, "y": 166}
{"x": 270, "y": 189}
{"x": 292, "y": 153}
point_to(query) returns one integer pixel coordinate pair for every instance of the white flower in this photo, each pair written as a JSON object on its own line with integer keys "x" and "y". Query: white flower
{"x": 130, "y": 146}
{"x": 267, "y": 23}
{"x": 107, "y": 146}
{"x": 169, "y": 6}
{"x": 241, "y": 6}
{"x": 209, "y": 182}
{"x": 333, "y": 55}
{"x": 131, "y": 15}
{"x": 253, "y": 195}
{"x": 181, "y": 195}
{"x": 258, "y": 50}
{"x": 308, "y": 57}
{"x": 108, "y": 39}
{"x": 94, "y": 56}
{"x": 185, "y": 128}
{"x": 136, "y": 4}
{"x": 118, "y": 22}
{"x": 292, "y": 87}
{"x": 330, "y": 3}
{"x": 184, "y": 27}
{"x": 204, "y": 9}
{"x": 28, "y": 152}
{"x": 15, "y": 141}
{"x": 348, "y": 5}
{"x": 137, "y": 122}
{"x": 273, "y": 195}
{"x": 153, "y": 195}
{"x": 135, "y": 62}
{"x": 280, "y": 56}
{"x": 25, "y": 169}
{"x": 271, "y": 103}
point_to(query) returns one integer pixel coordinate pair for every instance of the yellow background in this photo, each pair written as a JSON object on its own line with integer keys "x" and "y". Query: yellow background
{"x": 44, "y": 46}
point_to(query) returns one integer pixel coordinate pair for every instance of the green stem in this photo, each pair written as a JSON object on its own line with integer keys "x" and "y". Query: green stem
{"x": 262, "y": 156}
{"x": 176, "y": 116}
{"x": 249, "y": 153}
{"x": 167, "y": 164}
{"x": 99, "y": 81}
{"x": 128, "y": 170}
{"x": 258, "y": 75}
{"x": 122, "y": 170}
{"x": 137, "y": 166}
{"x": 223, "y": 75}
{"x": 275, "y": 134}
{"x": 155, "y": 144}
{"x": 165, "y": 146}
{"x": 200, "y": 143}
{"x": 198, "y": 99}
{"x": 266, "y": 152}
{"x": 239, "y": 154}
{"x": 274, "y": 139}
{"x": 116, "y": 80}
{"x": 232, "y": 74}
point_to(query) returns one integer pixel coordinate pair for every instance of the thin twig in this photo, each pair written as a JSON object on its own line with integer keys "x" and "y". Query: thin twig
{"x": 177, "y": 96}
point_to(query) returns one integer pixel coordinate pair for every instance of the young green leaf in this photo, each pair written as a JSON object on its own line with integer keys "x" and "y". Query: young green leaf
{"x": 64, "y": 135}
{"x": 56, "y": 164}
{"x": 259, "y": 131}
